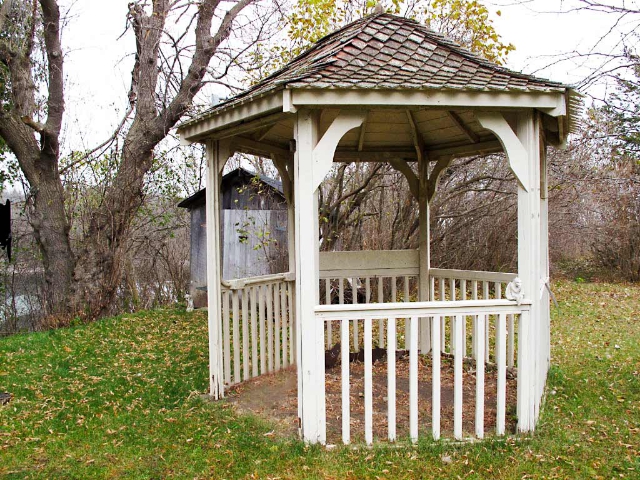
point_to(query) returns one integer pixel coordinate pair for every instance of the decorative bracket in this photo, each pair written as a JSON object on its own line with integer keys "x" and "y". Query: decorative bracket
{"x": 404, "y": 168}
{"x": 516, "y": 153}
{"x": 432, "y": 182}
{"x": 325, "y": 149}
{"x": 285, "y": 174}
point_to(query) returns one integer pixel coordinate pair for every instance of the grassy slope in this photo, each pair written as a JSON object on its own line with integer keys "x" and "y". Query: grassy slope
{"x": 120, "y": 398}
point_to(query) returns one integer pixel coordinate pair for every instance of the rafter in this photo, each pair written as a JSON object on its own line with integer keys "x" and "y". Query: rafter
{"x": 260, "y": 135}
{"x": 418, "y": 142}
{"x": 261, "y": 149}
{"x": 470, "y": 134}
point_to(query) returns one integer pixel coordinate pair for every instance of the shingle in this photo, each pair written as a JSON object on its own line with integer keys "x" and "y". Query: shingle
{"x": 385, "y": 51}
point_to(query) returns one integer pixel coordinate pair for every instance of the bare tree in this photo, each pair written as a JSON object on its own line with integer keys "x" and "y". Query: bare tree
{"x": 84, "y": 279}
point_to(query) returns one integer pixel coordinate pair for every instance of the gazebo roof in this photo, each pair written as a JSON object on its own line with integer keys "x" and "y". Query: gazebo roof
{"x": 383, "y": 53}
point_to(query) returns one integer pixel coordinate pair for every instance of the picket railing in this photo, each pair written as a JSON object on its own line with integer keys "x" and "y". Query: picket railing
{"x": 412, "y": 313}
{"x": 367, "y": 277}
{"x": 393, "y": 276}
{"x": 258, "y": 327}
{"x": 452, "y": 285}
{"x": 370, "y": 299}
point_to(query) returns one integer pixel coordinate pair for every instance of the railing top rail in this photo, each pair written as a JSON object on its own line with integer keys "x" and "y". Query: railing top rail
{"x": 369, "y": 263}
{"x": 419, "y": 309}
{"x": 472, "y": 275}
{"x": 239, "y": 283}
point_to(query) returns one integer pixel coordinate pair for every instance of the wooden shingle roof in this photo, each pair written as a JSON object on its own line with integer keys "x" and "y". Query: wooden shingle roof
{"x": 384, "y": 51}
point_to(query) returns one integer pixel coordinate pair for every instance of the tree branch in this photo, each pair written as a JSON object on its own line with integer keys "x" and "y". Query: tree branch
{"x": 55, "y": 101}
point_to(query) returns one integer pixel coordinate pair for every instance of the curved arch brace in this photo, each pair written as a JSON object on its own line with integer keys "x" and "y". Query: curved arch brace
{"x": 326, "y": 147}
{"x": 516, "y": 153}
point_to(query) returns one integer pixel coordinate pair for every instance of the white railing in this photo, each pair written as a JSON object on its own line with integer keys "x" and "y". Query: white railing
{"x": 258, "y": 327}
{"x": 452, "y": 285}
{"x": 432, "y": 312}
{"x": 372, "y": 276}
{"x": 392, "y": 276}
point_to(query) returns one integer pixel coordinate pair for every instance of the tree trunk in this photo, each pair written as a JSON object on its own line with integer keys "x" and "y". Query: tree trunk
{"x": 49, "y": 222}
{"x": 98, "y": 269}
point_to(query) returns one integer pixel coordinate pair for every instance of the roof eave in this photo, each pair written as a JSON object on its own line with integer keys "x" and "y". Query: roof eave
{"x": 232, "y": 118}
{"x": 231, "y": 115}
{"x": 552, "y": 102}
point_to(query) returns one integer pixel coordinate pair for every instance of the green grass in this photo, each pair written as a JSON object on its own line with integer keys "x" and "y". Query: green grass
{"x": 120, "y": 399}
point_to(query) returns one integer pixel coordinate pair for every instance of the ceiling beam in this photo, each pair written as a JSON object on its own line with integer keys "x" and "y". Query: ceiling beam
{"x": 261, "y": 149}
{"x": 470, "y": 134}
{"x": 265, "y": 131}
{"x": 374, "y": 155}
{"x": 468, "y": 150}
{"x": 409, "y": 154}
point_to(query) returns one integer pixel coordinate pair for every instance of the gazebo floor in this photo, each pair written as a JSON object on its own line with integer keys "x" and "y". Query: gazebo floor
{"x": 274, "y": 398}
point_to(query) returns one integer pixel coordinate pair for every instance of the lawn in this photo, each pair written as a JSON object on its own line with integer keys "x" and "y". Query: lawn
{"x": 120, "y": 398}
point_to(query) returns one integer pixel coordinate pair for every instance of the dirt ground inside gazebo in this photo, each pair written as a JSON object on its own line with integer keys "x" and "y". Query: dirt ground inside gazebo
{"x": 274, "y": 398}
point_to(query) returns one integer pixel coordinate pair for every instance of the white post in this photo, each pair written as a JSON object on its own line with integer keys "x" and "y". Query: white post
{"x": 435, "y": 375}
{"x": 456, "y": 336}
{"x": 391, "y": 379}
{"x": 425, "y": 251}
{"x": 413, "y": 379}
{"x": 528, "y": 132}
{"x": 309, "y": 332}
{"x": 545, "y": 314}
{"x": 523, "y": 151}
{"x": 217, "y": 155}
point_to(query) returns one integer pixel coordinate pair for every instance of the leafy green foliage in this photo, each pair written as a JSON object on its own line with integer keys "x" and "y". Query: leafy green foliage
{"x": 120, "y": 398}
{"x": 468, "y": 23}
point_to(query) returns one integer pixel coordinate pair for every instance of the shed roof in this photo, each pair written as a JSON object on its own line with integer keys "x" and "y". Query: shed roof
{"x": 198, "y": 198}
{"x": 383, "y": 51}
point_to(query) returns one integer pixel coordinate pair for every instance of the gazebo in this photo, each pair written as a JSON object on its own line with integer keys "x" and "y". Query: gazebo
{"x": 386, "y": 89}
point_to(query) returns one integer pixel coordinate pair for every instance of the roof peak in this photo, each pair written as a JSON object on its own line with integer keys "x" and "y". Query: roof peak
{"x": 386, "y": 51}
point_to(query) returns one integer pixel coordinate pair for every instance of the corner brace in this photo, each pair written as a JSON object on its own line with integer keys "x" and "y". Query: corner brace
{"x": 325, "y": 149}
{"x": 516, "y": 153}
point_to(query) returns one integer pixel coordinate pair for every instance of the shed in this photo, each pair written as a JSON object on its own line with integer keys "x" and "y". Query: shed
{"x": 254, "y": 229}
{"x": 387, "y": 89}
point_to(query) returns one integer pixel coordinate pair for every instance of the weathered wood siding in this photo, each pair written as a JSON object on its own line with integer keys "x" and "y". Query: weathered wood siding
{"x": 253, "y": 241}
{"x": 254, "y": 232}
{"x": 199, "y": 256}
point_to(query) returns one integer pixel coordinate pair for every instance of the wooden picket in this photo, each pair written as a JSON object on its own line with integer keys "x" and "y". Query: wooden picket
{"x": 258, "y": 327}
{"x": 411, "y": 313}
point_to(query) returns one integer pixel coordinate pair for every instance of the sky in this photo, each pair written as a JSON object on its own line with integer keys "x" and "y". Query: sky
{"x": 99, "y": 57}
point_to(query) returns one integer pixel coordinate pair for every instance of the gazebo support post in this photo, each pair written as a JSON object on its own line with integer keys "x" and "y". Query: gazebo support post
{"x": 285, "y": 166}
{"x": 529, "y": 271}
{"x": 313, "y": 159}
{"x": 218, "y": 153}
{"x": 310, "y": 333}
{"x": 545, "y": 313}
{"x": 424, "y": 249}
{"x": 524, "y": 152}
